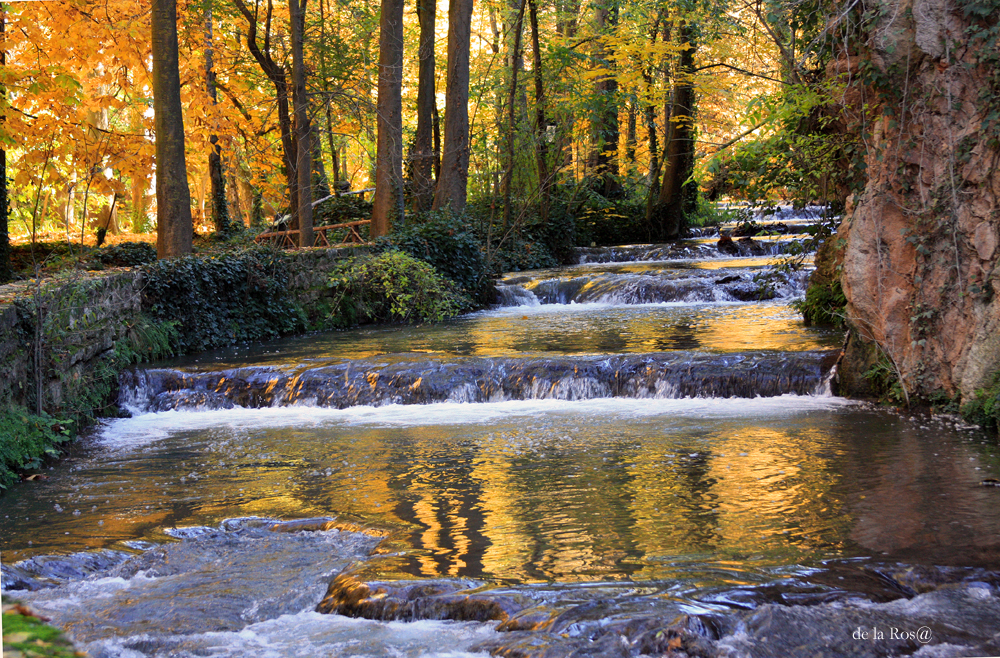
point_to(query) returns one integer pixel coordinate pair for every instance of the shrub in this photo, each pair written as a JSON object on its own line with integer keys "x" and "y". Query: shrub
{"x": 824, "y": 304}
{"x": 25, "y": 439}
{"x": 222, "y": 299}
{"x": 445, "y": 241}
{"x": 126, "y": 254}
{"x": 392, "y": 287}
{"x": 984, "y": 409}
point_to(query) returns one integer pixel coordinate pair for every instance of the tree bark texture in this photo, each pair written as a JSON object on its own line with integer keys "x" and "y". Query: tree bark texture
{"x": 173, "y": 198}
{"x": 541, "y": 126}
{"x": 452, "y": 184}
{"x": 303, "y": 140}
{"x": 677, "y": 192}
{"x": 604, "y": 131}
{"x": 423, "y": 147}
{"x": 220, "y": 210}
{"x": 5, "y": 267}
{"x": 389, "y": 120}
{"x": 514, "y": 61}
{"x": 276, "y": 74}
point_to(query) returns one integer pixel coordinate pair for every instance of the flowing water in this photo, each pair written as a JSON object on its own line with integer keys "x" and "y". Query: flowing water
{"x": 629, "y": 458}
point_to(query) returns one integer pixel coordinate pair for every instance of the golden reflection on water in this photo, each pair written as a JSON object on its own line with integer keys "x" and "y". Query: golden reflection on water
{"x": 574, "y": 497}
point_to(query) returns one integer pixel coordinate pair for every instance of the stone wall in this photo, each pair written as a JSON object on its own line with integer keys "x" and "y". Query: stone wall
{"x": 54, "y": 341}
{"x": 920, "y": 257}
{"x": 83, "y": 318}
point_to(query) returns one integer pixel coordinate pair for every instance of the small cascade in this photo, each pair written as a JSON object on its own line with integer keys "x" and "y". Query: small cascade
{"x": 685, "y": 286}
{"x": 372, "y": 382}
{"x": 515, "y": 295}
{"x": 684, "y": 250}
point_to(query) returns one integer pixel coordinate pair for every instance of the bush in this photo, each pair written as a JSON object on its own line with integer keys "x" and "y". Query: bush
{"x": 445, "y": 241}
{"x": 824, "y": 304}
{"x": 223, "y": 299}
{"x": 603, "y": 222}
{"x": 984, "y": 409}
{"x": 392, "y": 287}
{"x": 25, "y": 439}
{"x": 126, "y": 254}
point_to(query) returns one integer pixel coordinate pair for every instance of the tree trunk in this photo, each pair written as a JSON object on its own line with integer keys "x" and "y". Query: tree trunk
{"x": 303, "y": 139}
{"x": 5, "y": 266}
{"x": 514, "y": 60}
{"x": 453, "y": 181}
{"x": 389, "y": 120}
{"x": 541, "y": 145}
{"x": 423, "y": 148}
{"x": 604, "y": 132}
{"x": 678, "y": 192}
{"x": 276, "y": 74}
{"x": 220, "y": 210}
{"x": 173, "y": 198}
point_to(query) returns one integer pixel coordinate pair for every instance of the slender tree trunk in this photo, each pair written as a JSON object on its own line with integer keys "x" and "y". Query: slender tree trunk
{"x": 423, "y": 148}
{"x": 677, "y": 193}
{"x": 630, "y": 134}
{"x": 334, "y": 151}
{"x": 452, "y": 185}
{"x": 173, "y": 198}
{"x": 437, "y": 142}
{"x": 276, "y": 74}
{"x": 541, "y": 126}
{"x": 514, "y": 59}
{"x": 220, "y": 210}
{"x": 604, "y": 121}
{"x": 303, "y": 138}
{"x": 5, "y": 266}
{"x": 321, "y": 182}
{"x": 389, "y": 147}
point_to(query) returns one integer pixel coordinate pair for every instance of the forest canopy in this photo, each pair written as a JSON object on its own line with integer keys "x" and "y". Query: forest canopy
{"x": 573, "y": 106}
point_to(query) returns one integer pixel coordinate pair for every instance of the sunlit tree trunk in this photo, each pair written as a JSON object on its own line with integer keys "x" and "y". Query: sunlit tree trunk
{"x": 220, "y": 210}
{"x": 511, "y": 133}
{"x": 678, "y": 192}
{"x": 173, "y": 198}
{"x": 541, "y": 133}
{"x": 303, "y": 139}
{"x": 604, "y": 132}
{"x": 5, "y": 267}
{"x": 389, "y": 120}
{"x": 423, "y": 147}
{"x": 453, "y": 181}
{"x": 276, "y": 74}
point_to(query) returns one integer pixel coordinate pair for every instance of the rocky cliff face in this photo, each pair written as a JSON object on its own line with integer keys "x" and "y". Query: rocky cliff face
{"x": 921, "y": 241}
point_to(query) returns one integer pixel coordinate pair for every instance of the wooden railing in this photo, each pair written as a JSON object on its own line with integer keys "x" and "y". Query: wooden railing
{"x": 290, "y": 239}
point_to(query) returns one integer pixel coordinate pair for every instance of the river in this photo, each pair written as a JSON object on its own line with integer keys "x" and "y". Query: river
{"x": 633, "y": 456}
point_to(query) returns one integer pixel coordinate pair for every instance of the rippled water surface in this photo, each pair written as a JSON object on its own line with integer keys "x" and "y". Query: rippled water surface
{"x": 690, "y": 498}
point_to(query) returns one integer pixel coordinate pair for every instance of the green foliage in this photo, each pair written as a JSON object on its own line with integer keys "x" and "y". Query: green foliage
{"x": 26, "y": 439}
{"x": 126, "y": 254}
{"x": 604, "y": 222}
{"x": 984, "y": 408}
{"x": 30, "y": 637}
{"x": 223, "y": 299}
{"x": 824, "y": 304}
{"x": 445, "y": 241}
{"x": 883, "y": 380}
{"x": 341, "y": 209}
{"x": 392, "y": 287}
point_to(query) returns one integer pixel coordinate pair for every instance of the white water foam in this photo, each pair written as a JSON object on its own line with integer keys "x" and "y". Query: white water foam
{"x": 310, "y": 634}
{"x": 151, "y": 427}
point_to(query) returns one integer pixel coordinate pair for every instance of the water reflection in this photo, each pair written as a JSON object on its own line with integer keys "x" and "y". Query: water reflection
{"x": 585, "y": 491}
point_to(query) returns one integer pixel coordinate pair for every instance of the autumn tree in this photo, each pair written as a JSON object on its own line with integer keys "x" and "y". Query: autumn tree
{"x": 173, "y": 201}
{"x": 423, "y": 148}
{"x": 220, "y": 209}
{"x": 303, "y": 138}
{"x": 389, "y": 155}
{"x": 452, "y": 185}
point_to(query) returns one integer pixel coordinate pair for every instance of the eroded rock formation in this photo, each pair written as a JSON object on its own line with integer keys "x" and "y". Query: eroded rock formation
{"x": 921, "y": 240}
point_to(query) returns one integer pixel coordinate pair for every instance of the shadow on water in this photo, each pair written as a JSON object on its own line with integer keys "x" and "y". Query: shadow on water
{"x": 614, "y": 479}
